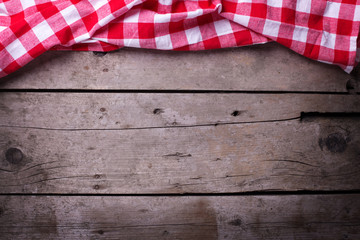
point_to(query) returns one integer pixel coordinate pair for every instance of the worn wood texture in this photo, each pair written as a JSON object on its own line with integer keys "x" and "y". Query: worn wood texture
{"x": 268, "y": 67}
{"x": 232, "y": 217}
{"x": 143, "y": 110}
{"x": 313, "y": 154}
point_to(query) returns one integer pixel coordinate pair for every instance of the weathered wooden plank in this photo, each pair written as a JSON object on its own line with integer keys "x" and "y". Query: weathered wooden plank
{"x": 139, "y": 110}
{"x": 231, "y": 217}
{"x": 270, "y": 67}
{"x": 313, "y": 154}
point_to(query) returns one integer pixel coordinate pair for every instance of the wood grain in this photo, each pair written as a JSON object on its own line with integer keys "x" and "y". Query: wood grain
{"x": 231, "y": 217}
{"x": 144, "y": 110}
{"x": 313, "y": 154}
{"x": 268, "y": 67}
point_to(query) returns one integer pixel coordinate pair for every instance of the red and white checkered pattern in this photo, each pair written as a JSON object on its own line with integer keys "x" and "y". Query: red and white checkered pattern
{"x": 324, "y": 30}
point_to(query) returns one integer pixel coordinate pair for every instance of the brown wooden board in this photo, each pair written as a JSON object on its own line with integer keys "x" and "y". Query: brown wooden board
{"x": 268, "y": 67}
{"x": 313, "y": 154}
{"x": 145, "y": 110}
{"x": 204, "y": 217}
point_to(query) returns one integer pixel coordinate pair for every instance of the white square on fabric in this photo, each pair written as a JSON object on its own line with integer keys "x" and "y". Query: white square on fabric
{"x": 3, "y": 10}
{"x": 194, "y": 14}
{"x": 275, "y": 3}
{"x": 164, "y": 42}
{"x": 82, "y": 38}
{"x": 166, "y": 2}
{"x": 16, "y": 49}
{"x": 271, "y": 28}
{"x": 303, "y": 6}
{"x": 193, "y": 35}
{"x": 300, "y": 34}
{"x": 106, "y": 20}
{"x": 332, "y": 9}
{"x": 162, "y": 18}
{"x": 132, "y": 43}
{"x": 70, "y": 14}
{"x": 27, "y": 3}
{"x": 353, "y": 44}
{"x": 357, "y": 13}
{"x": 132, "y": 16}
{"x": 43, "y": 31}
{"x": 97, "y": 4}
{"x": 242, "y": 19}
{"x": 223, "y": 27}
{"x": 328, "y": 40}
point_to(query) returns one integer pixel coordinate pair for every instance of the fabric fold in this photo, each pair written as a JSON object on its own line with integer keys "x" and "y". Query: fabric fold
{"x": 326, "y": 31}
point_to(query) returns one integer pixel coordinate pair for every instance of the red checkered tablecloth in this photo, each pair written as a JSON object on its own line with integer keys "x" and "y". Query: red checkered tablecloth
{"x": 324, "y": 30}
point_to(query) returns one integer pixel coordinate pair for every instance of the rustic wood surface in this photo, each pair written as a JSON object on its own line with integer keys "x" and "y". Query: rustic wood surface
{"x": 203, "y": 217}
{"x": 141, "y": 110}
{"x": 249, "y": 143}
{"x": 268, "y": 67}
{"x": 313, "y": 154}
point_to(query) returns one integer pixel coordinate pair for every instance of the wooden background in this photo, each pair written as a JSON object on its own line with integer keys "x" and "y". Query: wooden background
{"x": 246, "y": 143}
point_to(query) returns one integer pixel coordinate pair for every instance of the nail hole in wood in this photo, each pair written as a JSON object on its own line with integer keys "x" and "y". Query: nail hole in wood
{"x": 101, "y": 232}
{"x": 96, "y": 187}
{"x": 102, "y": 109}
{"x": 14, "y": 155}
{"x": 158, "y": 111}
{"x": 235, "y": 113}
{"x": 97, "y": 176}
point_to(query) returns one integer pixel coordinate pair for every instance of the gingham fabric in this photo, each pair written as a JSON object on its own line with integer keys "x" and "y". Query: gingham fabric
{"x": 324, "y": 30}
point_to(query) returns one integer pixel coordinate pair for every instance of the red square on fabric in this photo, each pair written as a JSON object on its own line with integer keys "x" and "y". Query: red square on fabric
{"x": 312, "y": 51}
{"x": 176, "y": 26}
{"x": 12, "y": 67}
{"x": 288, "y": 15}
{"x": 116, "y": 5}
{"x": 344, "y": 27}
{"x": 18, "y": 24}
{"x": 205, "y": 19}
{"x": 183, "y": 48}
{"x": 341, "y": 56}
{"x": 17, "y": 17}
{"x": 65, "y": 35}
{"x": 229, "y": 6}
{"x": 151, "y": 5}
{"x": 315, "y": 22}
{"x": 205, "y": 4}
{"x": 37, "y": 50}
{"x": 212, "y": 43}
{"x": 178, "y": 7}
{"x": 20, "y": 28}
{"x": 258, "y": 10}
{"x": 47, "y": 10}
{"x": 116, "y": 31}
{"x": 284, "y": 41}
{"x": 146, "y": 30}
{"x": 243, "y": 38}
{"x": 90, "y": 21}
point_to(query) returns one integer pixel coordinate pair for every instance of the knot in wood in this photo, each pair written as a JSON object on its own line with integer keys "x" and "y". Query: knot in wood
{"x": 336, "y": 143}
{"x": 14, "y": 155}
